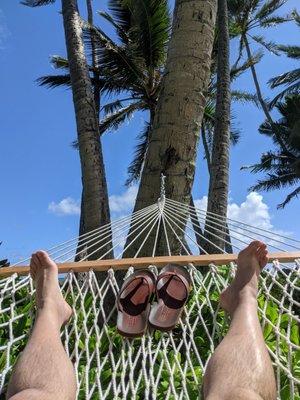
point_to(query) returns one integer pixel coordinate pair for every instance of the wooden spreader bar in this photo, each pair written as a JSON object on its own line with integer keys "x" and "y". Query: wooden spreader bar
{"x": 144, "y": 262}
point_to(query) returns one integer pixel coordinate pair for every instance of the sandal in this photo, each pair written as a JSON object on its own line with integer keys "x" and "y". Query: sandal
{"x": 172, "y": 288}
{"x": 134, "y": 303}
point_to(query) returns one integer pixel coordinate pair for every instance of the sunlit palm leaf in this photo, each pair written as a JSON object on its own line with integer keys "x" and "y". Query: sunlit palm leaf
{"x": 150, "y": 30}
{"x": 244, "y": 97}
{"x": 268, "y": 8}
{"x": 113, "y": 121}
{"x": 274, "y": 20}
{"x": 237, "y": 70}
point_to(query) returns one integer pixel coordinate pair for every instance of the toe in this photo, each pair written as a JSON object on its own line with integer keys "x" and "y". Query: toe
{"x": 255, "y": 244}
{"x": 263, "y": 261}
{"x": 262, "y": 251}
{"x": 34, "y": 263}
{"x": 43, "y": 257}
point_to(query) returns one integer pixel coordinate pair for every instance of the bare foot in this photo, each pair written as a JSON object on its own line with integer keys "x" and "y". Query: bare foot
{"x": 48, "y": 295}
{"x": 250, "y": 262}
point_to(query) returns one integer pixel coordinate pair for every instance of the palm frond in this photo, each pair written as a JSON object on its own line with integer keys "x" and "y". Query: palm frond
{"x": 290, "y": 51}
{"x": 274, "y": 182}
{"x": 54, "y": 81}
{"x": 289, "y": 197}
{"x": 235, "y": 135}
{"x": 121, "y": 13}
{"x": 285, "y": 79}
{"x": 270, "y": 46}
{"x": 244, "y": 97}
{"x": 121, "y": 69}
{"x": 290, "y": 90}
{"x": 37, "y": 3}
{"x": 150, "y": 30}
{"x": 122, "y": 34}
{"x": 114, "y": 106}
{"x": 135, "y": 167}
{"x": 274, "y": 20}
{"x": 237, "y": 70}
{"x": 59, "y": 62}
{"x": 113, "y": 121}
{"x": 268, "y": 8}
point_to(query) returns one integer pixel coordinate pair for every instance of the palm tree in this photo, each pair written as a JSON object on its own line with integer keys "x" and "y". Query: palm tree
{"x": 290, "y": 79}
{"x": 282, "y": 170}
{"x": 132, "y": 64}
{"x": 95, "y": 197}
{"x": 219, "y": 165}
{"x": 246, "y": 16}
{"x": 179, "y": 111}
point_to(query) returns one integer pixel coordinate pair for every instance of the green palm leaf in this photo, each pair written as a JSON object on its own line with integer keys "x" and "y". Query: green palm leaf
{"x": 136, "y": 166}
{"x": 290, "y": 51}
{"x": 270, "y": 46}
{"x": 37, "y": 3}
{"x": 289, "y": 197}
{"x": 274, "y": 20}
{"x": 54, "y": 81}
{"x": 113, "y": 121}
{"x": 268, "y": 8}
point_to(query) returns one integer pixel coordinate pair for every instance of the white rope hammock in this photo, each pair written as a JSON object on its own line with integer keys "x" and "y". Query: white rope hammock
{"x": 159, "y": 365}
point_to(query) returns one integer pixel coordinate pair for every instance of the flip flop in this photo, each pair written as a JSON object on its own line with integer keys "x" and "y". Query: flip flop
{"x": 172, "y": 289}
{"x": 133, "y": 303}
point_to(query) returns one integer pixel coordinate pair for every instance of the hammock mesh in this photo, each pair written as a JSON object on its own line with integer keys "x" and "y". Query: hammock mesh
{"x": 158, "y": 365}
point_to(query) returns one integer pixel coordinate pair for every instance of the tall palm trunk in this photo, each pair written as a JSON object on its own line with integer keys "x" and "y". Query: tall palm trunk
{"x": 261, "y": 100}
{"x": 179, "y": 112}
{"x": 219, "y": 166}
{"x": 95, "y": 197}
{"x": 80, "y": 252}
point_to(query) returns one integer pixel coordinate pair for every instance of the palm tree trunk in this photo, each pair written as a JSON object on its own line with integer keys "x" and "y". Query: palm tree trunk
{"x": 219, "y": 175}
{"x": 94, "y": 59}
{"x": 95, "y": 197}
{"x": 262, "y": 101}
{"x": 96, "y": 91}
{"x": 179, "y": 112}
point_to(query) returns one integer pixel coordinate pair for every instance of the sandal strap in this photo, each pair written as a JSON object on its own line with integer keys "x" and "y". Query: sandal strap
{"x": 162, "y": 293}
{"x": 126, "y": 304}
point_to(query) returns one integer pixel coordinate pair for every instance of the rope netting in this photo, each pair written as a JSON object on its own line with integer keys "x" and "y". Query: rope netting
{"x": 158, "y": 365}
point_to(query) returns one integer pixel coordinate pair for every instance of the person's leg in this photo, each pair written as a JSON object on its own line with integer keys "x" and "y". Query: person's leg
{"x": 43, "y": 371}
{"x": 240, "y": 368}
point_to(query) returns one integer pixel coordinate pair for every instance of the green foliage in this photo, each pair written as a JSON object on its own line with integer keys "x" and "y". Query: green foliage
{"x": 175, "y": 362}
{"x": 290, "y": 79}
{"x": 282, "y": 169}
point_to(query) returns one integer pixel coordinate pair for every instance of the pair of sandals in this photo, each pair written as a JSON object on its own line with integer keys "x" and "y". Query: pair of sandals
{"x": 171, "y": 286}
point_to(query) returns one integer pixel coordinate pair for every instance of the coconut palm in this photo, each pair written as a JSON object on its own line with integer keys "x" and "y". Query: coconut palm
{"x": 95, "y": 197}
{"x": 219, "y": 165}
{"x": 132, "y": 65}
{"x": 282, "y": 170}
{"x": 245, "y": 17}
{"x": 179, "y": 111}
{"x": 290, "y": 79}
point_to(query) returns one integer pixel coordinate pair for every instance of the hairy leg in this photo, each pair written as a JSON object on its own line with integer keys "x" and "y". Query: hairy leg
{"x": 43, "y": 370}
{"x": 240, "y": 368}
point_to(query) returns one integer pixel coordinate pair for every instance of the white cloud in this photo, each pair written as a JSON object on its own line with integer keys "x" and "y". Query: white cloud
{"x": 124, "y": 202}
{"x": 120, "y": 205}
{"x": 67, "y": 206}
{"x": 254, "y": 212}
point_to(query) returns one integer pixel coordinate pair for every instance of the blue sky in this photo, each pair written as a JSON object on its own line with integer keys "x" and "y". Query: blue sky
{"x": 40, "y": 173}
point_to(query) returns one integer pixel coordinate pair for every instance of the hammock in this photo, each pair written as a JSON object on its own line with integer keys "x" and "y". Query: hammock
{"x": 158, "y": 365}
